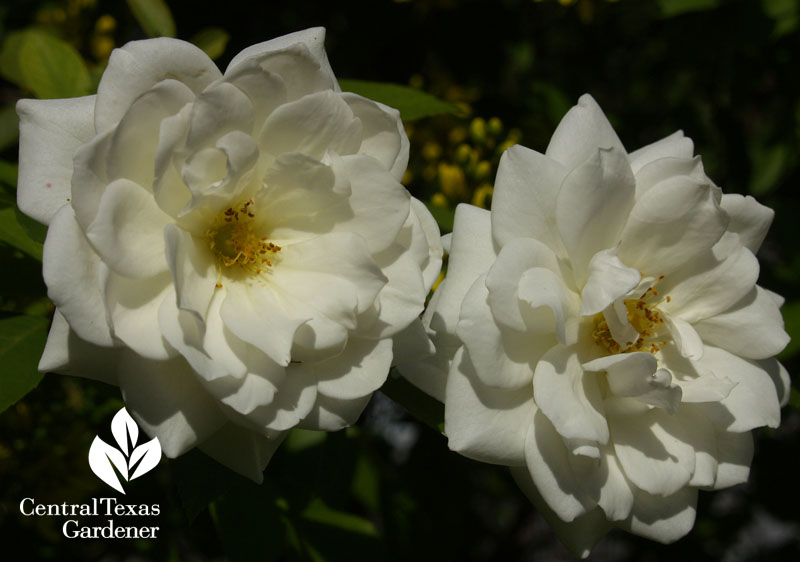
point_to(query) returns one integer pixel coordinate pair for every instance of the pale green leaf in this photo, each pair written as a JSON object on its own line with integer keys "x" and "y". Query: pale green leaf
{"x": 212, "y": 40}
{"x": 154, "y": 17}
{"x": 43, "y": 64}
{"x": 14, "y": 234}
{"x": 413, "y": 104}
{"x": 21, "y": 343}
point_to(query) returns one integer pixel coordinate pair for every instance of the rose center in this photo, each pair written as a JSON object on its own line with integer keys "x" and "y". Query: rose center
{"x": 235, "y": 240}
{"x": 644, "y": 316}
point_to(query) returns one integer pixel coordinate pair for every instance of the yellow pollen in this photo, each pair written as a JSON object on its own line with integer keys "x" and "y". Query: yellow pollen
{"x": 234, "y": 240}
{"x": 645, "y": 318}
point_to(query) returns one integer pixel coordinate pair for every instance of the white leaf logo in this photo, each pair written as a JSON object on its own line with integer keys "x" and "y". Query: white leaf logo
{"x": 104, "y": 458}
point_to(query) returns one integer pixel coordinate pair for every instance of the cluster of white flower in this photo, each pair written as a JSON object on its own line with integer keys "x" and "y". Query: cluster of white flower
{"x": 235, "y": 251}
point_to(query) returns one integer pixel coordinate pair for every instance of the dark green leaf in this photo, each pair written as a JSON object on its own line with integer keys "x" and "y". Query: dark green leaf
{"x": 444, "y": 216}
{"x": 671, "y": 8}
{"x": 212, "y": 40}
{"x": 154, "y": 17}
{"x": 9, "y": 133}
{"x": 318, "y": 512}
{"x": 14, "y": 234}
{"x": 413, "y": 104}
{"x": 8, "y": 173}
{"x": 426, "y": 409}
{"x": 791, "y": 318}
{"x": 21, "y": 343}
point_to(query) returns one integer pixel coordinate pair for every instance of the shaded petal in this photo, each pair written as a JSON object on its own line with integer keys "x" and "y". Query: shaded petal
{"x": 685, "y": 337}
{"x": 568, "y": 397}
{"x": 483, "y": 423}
{"x": 66, "y": 353}
{"x": 71, "y": 271}
{"x": 294, "y": 400}
{"x": 401, "y": 301}
{"x": 128, "y": 231}
{"x": 753, "y": 328}
{"x": 194, "y": 272}
{"x": 218, "y": 110}
{"x": 654, "y": 450}
{"x": 608, "y": 280}
{"x": 313, "y": 41}
{"x": 663, "y": 519}
{"x": 167, "y": 402}
{"x": 138, "y": 65}
{"x": 242, "y": 450}
{"x": 501, "y": 358}
{"x": 748, "y": 218}
{"x": 753, "y": 402}
{"x": 524, "y": 199}
{"x": 582, "y": 131}
{"x": 734, "y": 454}
{"x": 132, "y": 306}
{"x": 358, "y": 371}
{"x": 664, "y": 169}
{"x": 673, "y": 146}
{"x": 670, "y": 226}
{"x": 50, "y": 131}
{"x": 548, "y": 461}
{"x": 331, "y": 414}
{"x": 425, "y": 232}
{"x": 383, "y": 137}
{"x": 593, "y": 205}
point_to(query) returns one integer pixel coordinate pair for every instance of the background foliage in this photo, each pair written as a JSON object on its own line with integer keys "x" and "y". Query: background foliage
{"x": 723, "y": 71}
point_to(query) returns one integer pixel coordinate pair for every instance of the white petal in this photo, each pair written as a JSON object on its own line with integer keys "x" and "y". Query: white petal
{"x": 501, "y": 358}
{"x": 569, "y": 397}
{"x": 132, "y": 306}
{"x": 90, "y": 178}
{"x": 128, "y": 231}
{"x": 654, "y": 451}
{"x": 734, "y": 454}
{"x": 748, "y": 218}
{"x": 673, "y": 146}
{"x": 483, "y": 423}
{"x": 218, "y": 110}
{"x": 582, "y": 131}
{"x": 71, "y": 272}
{"x": 384, "y": 137}
{"x": 608, "y": 280}
{"x": 663, "y": 519}
{"x": 50, "y": 131}
{"x": 593, "y": 205}
{"x": 524, "y": 199}
{"x": 401, "y": 300}
{"x": 753, "y": 402}
{"x": 504, "y": 277}
{"x": 710, "y": 284}
{"x": 550, "y": 302}
{"x": 551, "y": 471}
{"x": 132, "y": 152}
{"x": 313, "y": 39}
{"x": 294, "y": 400}
{"x": 358, "y": 371}
{"x": 193, "y": 271}
{"x": 671, "y": 225}
{"x": 753, "y": 328}
{"x": 471, "y": 256}
{"x": 708, "y": 387}
{"x": 68, "y": 354}
{"x": 636, "y": 375}
{"x": 578, "y": 535}
{"x": 167, "y": 402}
{"x": 330, "y": 414}
{"x": 138, "y": 65}
{"x": 242, "y": 450}
{"x": 314, "y": 124}
{"x": 255, "y": 315}
{"x": 664, "y": 169}
{"x": 685, "y": 336}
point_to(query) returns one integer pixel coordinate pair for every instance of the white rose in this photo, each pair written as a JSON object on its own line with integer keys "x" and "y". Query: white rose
{"x": 605, "y": 334}
{"x": 235, "y": 250}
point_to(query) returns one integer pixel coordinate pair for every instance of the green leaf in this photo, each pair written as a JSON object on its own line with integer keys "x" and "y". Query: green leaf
{"x": 672, "y": 8}
{"x": 45, "y": 65}
{"x": 212, "y": 40}
{"x": 426, "y": 409}
{"x": 413, "y": 104}
{"x": 302, "y": 439}
{"x": 444, "y": 216}
{"x": 9, "y": 133}
{"x": 318, "y": 512}
{"x": 769, "y": 164}
{"x": 14, "y": 234}
{"x": 154, "y": 17}
{"x": 784, "y": 13}
{"x": 21, "y": 343}
{"x": 8, "y": 173}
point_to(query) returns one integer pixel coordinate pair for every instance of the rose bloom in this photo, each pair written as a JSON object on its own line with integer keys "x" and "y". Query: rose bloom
{"x": 235, "y": 250}
{"x": 604, "y": 332}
